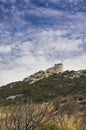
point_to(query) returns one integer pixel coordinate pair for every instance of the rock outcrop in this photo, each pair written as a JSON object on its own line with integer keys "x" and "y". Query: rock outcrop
{"x": 58, "y": 68}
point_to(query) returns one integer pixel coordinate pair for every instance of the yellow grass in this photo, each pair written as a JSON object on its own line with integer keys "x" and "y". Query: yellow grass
{"x": 63, "y": 122}
{"x": 71, "y": 123}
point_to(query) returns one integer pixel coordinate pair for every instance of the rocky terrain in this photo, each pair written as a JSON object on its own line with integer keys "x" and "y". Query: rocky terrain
{"x": 58, "y": 68}
{"x": 66, "y": 90}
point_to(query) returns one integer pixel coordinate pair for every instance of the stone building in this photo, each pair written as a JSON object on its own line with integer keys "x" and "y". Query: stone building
{"x": 56, "y": 69}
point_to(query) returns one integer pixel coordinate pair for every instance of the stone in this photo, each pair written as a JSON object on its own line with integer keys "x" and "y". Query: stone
{"x": 58, "y": 68}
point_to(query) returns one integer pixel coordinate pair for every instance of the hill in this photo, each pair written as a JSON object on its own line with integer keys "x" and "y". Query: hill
{"x": 66, "y": 91}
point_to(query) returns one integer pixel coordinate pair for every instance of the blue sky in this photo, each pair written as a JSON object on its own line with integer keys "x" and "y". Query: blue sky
{"x": 36, "y": 34}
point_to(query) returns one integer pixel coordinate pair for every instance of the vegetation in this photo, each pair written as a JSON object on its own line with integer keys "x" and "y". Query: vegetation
{"x": 47, "y": 88}
{"x": 58, "y": 102}
{"x": 36, "y": 117}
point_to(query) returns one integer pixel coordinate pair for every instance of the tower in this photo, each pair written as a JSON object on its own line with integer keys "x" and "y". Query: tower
{"x": 58, "y": 68}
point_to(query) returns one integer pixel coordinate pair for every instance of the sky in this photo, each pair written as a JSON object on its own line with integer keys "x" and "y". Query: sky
{"x": 36, "y": 34}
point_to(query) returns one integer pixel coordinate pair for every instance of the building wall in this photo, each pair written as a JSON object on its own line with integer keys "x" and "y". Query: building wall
{"x": 56, "y": 69}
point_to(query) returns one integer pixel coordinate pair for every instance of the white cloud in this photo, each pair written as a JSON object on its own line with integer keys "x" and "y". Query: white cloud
{"x": 75, "y": 63}
{"x": 40, "y": 63}
{"x": 26, "y": 48}
{"x": 49, "y": 45}
{"x": 26, "y": 60}
{"x": 31, "y": 56}
{"x": 7, "y": 75}
{"x": 27, "y": 67}
{"x": 5, "y": 48}
{"x": 54, "y": 40}
{"x": 1, "y": 59}
{"x": 45, "y": 12}
{"x": 68, "y": 45}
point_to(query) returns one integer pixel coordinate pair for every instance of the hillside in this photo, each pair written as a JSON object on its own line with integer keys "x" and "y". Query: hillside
{"x": 66, "y": 91}
{"x": 68, "y": 82}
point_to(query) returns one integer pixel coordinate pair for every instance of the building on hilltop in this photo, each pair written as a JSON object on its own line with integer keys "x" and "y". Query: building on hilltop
{"x": 42, "y": 74}
{"x": 56, "y": 69}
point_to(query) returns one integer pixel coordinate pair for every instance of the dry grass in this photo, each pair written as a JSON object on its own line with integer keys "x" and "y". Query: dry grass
{"x": 70, "y": 123}
{"x": 59, "y": 123}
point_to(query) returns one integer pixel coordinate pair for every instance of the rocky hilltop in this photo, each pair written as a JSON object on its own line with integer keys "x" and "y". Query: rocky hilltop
{"x": 65, "y": 90}
{"x": 58, "y": 68}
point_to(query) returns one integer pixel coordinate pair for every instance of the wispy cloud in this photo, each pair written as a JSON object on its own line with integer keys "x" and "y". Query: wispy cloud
{"x": 34, "y": 36}
{"x": 75, "y": 62}
{"x": 47, "y": 47}
{"x": 5, "y": 49}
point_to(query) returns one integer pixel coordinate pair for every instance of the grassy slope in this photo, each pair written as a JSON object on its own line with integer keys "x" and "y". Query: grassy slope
{"x": 47, "y": 88}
